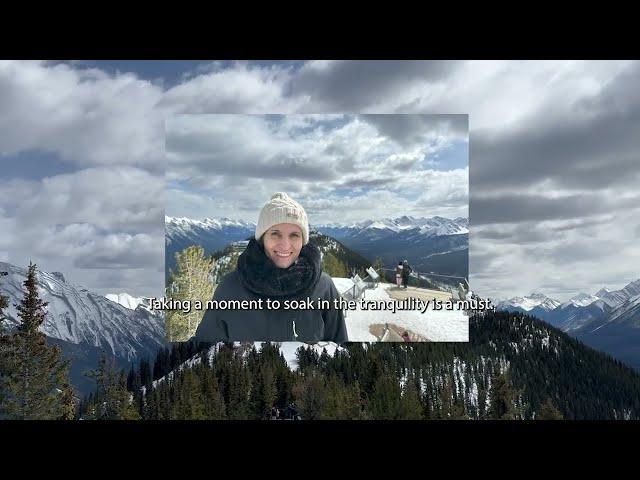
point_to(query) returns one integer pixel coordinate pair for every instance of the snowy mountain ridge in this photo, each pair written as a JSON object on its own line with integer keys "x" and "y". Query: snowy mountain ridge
{"x": 608, "y": 321}
{"x": 603, "y": 297}
{"x": 186, "y": 222}
{"x": 79, "y": 316}
{"x": 433, "y": 226}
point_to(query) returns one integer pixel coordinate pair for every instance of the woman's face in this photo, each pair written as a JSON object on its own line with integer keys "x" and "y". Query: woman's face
{"x": 282, "y": 244}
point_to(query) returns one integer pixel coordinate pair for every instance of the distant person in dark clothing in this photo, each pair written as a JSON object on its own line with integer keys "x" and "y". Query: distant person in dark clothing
{"x": 399, "y": 274}
{"x": 291, "y": 412}
{"x": 406, "y": 270}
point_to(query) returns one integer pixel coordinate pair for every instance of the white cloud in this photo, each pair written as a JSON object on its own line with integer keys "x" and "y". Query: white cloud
{"x": 120, "y": 198}
{"x": 86, "y": 116}
{"x": 239, "y": 89}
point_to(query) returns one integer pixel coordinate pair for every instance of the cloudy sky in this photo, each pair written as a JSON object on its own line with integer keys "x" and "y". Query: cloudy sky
{"x": 341, "y": 168}
{"x": 554, "y": 165}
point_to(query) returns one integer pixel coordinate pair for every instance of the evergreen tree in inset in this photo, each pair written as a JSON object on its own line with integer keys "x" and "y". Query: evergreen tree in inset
{"x": 36, "y": 379}
{"x": 333, "y": 266}
{"x": 378, "y": 266}
{"x": 548, "y": 411}
{"x": 192, "y": 282}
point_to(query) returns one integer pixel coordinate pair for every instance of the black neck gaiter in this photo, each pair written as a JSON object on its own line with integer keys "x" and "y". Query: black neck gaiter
{"x": 261, "y": 276}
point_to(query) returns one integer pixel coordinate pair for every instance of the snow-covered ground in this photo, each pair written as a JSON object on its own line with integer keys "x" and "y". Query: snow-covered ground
{"x": 436, "y": 325}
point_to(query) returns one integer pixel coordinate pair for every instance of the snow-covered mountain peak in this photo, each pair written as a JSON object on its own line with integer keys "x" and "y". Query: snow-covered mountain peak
{"x": 529, "y": 302}
{"x": 126, "y": 300}
{"x": 384, "y": 224}
{"x": 581, "y": 300}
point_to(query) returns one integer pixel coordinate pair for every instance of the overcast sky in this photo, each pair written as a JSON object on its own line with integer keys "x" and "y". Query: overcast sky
{"x": 554, "y": 165}
{"x": 341, "y": 168}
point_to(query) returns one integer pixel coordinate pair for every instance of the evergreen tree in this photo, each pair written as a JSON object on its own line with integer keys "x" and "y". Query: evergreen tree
{"x": 70, "y": 405}
{"x": 384, "y": 403}
{"x": 4, "y": 346}
{"x": 214, "y": 406}
{"x": 263, "y": 392}
{"x": 342, "y": 402}
{"x": 237, "y": 382}
{"x": 310, "y": 392}
{"x": 333, "y": 266}
{"x": 144, "y": 373}
{"x": 451, "y": 407}
{"x": 230, "y": 263}
{"x": 188, "y": 402}
{"x": 4, "y": 303}
{"x": 501, "y": 397}
{"x": 36, "y": 379}
{"x": 111, "y": 401}
{"x": 410, "y": 405}
{"x": 192, "y": 282}
{"x": 548, "y": 411}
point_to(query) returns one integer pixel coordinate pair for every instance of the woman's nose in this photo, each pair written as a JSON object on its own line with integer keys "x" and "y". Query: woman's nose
{"x": 284, "y": 242}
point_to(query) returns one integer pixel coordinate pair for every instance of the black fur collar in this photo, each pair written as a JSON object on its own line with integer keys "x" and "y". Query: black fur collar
{"x": 261, "y": 276}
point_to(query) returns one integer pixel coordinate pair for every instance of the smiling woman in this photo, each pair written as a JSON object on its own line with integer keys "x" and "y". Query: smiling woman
{"x": 278, "y": 264}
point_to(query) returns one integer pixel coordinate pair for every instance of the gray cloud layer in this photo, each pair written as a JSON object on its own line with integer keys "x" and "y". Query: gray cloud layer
{"x": 336, "y": 157}
{"x": 554, "y": 166}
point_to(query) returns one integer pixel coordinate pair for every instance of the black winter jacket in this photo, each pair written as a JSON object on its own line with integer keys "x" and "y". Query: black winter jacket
{"x": 257, "y": 277}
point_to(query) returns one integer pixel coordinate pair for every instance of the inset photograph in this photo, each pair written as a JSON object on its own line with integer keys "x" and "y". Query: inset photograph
{"x": 317, "y": 228}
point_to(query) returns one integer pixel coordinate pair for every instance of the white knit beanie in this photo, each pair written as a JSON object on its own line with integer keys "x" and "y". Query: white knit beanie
{"x": 282, "y": 209}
